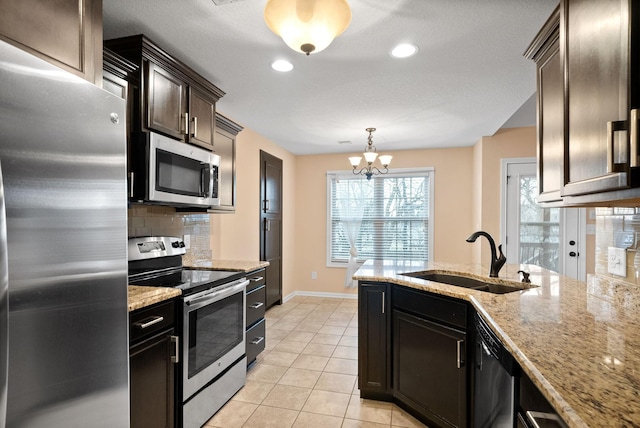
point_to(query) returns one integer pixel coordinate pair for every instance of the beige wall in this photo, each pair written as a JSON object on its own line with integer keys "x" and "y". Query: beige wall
{"x": 488, "y": 152}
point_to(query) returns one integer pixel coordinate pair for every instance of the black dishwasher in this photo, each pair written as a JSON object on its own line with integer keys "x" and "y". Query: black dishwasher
{"x": 496, "y": 375}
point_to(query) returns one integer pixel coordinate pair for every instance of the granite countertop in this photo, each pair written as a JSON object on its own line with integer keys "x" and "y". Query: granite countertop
{"x": 579, "y": 342}
{"x": 140, "y": 297}
{"x": 228, "y": 265}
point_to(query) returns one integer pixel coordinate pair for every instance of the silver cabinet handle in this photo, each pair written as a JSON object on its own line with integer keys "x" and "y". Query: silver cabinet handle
{"x": 149, "y": 322}
{"x": 194, "y": 119}
{"x": 175, "y": 358}
{"x": 383, "y": 296}
{"x": 633, "y": 130}
{"x": 266, "y": 205}
{"x": 267, "y": 225}
{"x": 257, "y": 278}
{"x": 460, "y": 361}
{"x": 256, "y": 305}
{"x": 613, "y": 127}
{"x": 257, "y": 340}
{"x": 186, "y": 123}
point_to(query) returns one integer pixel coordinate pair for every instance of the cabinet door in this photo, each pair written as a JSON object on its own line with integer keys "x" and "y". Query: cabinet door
{"x": 152, "y": 383}
{"x": 550, "y": 103}
{"x": 166, "y": 97}
{"x": 597, "y": 63}
{"x": 202, "y": 111}
{"x": 225, "y": 147}
{"x": 67, "y": 33}
{"x": 374, "y": 328}
{"x": 429, "y": 370}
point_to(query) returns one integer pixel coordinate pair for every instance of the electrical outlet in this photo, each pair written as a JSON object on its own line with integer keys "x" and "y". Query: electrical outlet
{"x": 314, "y": 275}
{"x": 617, "y": 261}
{"x": 187, "y": 241}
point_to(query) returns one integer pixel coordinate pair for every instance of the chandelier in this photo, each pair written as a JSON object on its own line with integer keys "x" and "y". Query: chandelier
{"x": 370, "y": 154}
{"x": 307, "y": 26}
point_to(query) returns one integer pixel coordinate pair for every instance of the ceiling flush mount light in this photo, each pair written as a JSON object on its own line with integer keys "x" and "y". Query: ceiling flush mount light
{"x": 370, "y": 154}
{"x": 404, "y": 50}
{"x": 307, "y": 26}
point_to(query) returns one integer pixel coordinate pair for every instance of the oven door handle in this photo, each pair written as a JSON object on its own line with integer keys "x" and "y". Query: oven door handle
{"x": 216, "y": 294}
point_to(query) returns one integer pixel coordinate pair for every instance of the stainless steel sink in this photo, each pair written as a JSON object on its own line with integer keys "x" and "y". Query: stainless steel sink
{"x": 466, "y": 282}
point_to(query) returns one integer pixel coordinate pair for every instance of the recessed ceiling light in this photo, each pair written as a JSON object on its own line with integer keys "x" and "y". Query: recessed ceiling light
{"x": 282, "y": 65}
{"x": 404, "y": 50}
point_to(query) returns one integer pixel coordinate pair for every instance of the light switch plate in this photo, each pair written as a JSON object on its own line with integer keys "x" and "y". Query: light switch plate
{"x": 617, "y": 263}
{"x": 187, "y": 241}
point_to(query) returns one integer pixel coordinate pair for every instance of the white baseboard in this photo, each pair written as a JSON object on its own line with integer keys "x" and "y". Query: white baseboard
{"x": 320, "y": 294}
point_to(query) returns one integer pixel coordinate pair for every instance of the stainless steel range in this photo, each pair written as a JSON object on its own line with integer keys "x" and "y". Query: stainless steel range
{"x": 211, "y": 325}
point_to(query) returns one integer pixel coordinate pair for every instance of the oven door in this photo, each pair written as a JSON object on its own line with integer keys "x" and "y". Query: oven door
{"x": 182, "y": 174}
{"x": 213, "y": 334}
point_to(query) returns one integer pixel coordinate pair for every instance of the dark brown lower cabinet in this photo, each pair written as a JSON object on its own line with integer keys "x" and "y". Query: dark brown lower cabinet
{"x": 374, "y": 322}
{"x": 255, "y": 311}
{"x": 429, "y": 372}
{"x": 151, "y": 367}
{"x": 412, "y": 351}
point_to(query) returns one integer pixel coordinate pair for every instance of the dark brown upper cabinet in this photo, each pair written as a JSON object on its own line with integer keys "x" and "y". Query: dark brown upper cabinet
{"x": 599, "y": 99}
{"x": 225, "y": 135}
{"x": 66, "y": 33}
{"x": 173, "y": 99}
{"x": 598, "y": 160}
{"x": 545, "y": 52}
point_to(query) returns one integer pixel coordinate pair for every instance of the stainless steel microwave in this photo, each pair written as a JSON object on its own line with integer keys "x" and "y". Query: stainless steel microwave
{"x": 165, "y": 171}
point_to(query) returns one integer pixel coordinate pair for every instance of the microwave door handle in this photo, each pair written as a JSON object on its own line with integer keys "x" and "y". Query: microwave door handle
{"x": 211, "y": 179}
{"x": 205, "y": 182}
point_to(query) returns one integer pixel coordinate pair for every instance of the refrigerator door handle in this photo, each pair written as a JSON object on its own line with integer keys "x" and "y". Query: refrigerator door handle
{"x": 4, "y": 309}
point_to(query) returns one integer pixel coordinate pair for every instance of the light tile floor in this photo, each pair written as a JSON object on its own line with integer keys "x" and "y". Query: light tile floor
{"x": 307, "y": 374}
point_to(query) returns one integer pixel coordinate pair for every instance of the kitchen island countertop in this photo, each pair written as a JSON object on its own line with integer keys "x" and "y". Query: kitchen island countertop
{"x": 579, "y": 342}
{"x": 140, "y": 297}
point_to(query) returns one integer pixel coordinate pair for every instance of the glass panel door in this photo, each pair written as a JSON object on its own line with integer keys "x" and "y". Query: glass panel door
{"x": 546, "y": 237}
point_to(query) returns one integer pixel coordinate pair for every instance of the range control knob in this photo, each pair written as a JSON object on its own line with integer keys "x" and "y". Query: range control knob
{"x": 181, "y": 244}
{"x": 175, "y": 244}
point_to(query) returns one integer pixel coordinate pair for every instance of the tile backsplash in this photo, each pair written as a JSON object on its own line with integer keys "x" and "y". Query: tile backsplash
{"x": 618, "y": 227}
{"x": 149, "y": 220}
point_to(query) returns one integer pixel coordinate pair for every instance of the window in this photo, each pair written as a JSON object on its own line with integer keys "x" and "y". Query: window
{"x": 389, "y": 215}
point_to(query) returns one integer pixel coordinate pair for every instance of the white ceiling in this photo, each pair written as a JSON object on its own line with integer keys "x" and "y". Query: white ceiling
{"x": 468, "y": 78}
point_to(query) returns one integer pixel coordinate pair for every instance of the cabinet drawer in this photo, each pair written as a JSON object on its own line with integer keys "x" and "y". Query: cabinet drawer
{"x": 255, "y": 305}
{"x": 256, "y": 279}
{"x": 256, "y": 341}
{"x": 147, "y": 321}
{"x": 433, "y": 307}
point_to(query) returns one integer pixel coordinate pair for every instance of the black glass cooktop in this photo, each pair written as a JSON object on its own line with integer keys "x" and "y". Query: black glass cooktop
{"x": 187, "y": 280}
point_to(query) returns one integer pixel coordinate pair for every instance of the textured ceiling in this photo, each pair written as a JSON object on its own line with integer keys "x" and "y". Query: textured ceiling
{"x": 468, "y": 78}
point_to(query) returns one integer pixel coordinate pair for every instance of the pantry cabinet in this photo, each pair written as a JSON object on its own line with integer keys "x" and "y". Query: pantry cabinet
{"x": 172, "y": 99}
{"x": 588, "y": 96}
{"x": 66, "y": 33}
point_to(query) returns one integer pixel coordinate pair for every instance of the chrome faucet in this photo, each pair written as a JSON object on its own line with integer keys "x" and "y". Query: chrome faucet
{"x": 496, "y": 261}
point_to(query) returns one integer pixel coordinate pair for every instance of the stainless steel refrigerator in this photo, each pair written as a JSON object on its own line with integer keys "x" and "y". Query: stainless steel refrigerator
{"x": 62, "y": 156}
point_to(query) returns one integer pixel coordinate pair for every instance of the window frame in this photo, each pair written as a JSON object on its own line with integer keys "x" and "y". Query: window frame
{"x": 397, "y": 172}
